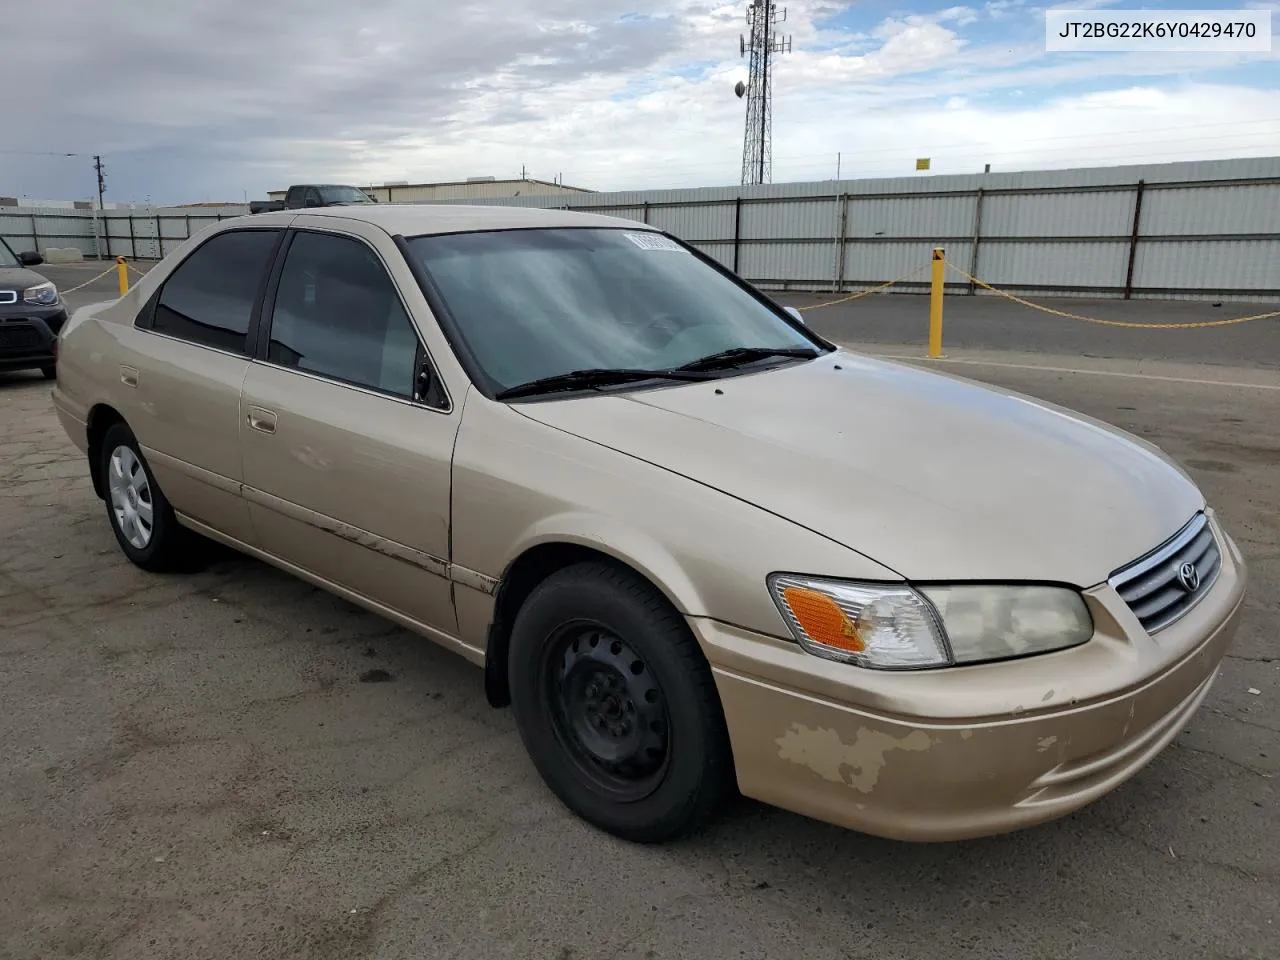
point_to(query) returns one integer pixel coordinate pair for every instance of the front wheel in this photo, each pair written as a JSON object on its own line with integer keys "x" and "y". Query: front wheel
{"x": 616, "y": 704}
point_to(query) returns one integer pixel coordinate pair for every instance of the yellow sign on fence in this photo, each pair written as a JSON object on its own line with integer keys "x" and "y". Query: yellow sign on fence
{"x": 922, "y": 163}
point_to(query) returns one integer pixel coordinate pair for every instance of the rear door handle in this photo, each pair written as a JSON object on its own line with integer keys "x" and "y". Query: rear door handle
{"x": 261, "y": 419}
{"x": 129, "y": 376}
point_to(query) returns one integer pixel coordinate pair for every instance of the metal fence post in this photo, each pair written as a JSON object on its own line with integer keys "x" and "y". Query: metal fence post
{"x": 159, "y": 239}
{"x": 977, "y": 239}
{"x": 133, "y": 240}
{"x": 1133, "y": 238}
{"x": 842, "y": 210}
{"x": 645, "y": 215}
{"x": 35, "y": 235}
{"x": 737, "y": 231}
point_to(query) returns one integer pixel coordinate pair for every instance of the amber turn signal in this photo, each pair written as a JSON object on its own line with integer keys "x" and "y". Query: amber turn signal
{"x": 822, "y": 619}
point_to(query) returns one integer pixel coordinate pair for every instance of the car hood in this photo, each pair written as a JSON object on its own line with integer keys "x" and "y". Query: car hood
{"x": 931, "y": 475}
{"x": 19, "y": 278}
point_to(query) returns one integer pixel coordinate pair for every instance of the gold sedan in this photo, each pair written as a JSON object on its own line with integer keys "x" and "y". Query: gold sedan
{"x": 693, "y": 544}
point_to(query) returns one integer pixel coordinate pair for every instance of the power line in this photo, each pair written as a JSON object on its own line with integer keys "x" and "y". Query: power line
{"x": 41, "y": 153}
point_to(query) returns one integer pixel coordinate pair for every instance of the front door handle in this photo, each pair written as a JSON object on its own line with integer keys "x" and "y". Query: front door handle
{"x": 261, "y": 419}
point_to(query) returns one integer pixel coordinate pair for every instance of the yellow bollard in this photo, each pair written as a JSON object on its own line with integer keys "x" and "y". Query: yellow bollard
{"x": 935, "y": 302}
{"x": 122, "y": 275}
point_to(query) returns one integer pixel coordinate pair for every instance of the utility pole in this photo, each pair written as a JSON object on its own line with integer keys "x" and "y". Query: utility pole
{"x": 763, "y": 17}
{"x": 102, "y": 214}
{"x": 102, "y": 178}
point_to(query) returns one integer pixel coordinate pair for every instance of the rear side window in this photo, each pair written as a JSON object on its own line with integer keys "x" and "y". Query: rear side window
{"x": 338, "y": 314}
{"x": 209, "y": 298}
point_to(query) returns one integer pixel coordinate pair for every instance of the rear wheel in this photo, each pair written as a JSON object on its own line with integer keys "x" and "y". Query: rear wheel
{"x": 140, "y": 516}
{"x": 616, "y": 705}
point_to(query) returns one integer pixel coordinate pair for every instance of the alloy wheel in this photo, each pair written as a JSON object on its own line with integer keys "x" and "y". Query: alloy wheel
{"x": 131, "y": 500}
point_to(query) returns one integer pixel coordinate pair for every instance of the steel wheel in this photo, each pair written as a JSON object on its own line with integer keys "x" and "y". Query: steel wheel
{"x": 608, "y": 710}
{"x": 131, "y": 499}
{"x": 616, "y": 704}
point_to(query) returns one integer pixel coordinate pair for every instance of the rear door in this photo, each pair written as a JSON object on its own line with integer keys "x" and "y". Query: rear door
{"x": 347, "y": 454}
{"x": 190, "y": 352}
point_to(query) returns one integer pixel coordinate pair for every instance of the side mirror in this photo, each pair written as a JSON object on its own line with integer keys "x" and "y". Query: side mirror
{"x": 795, "y": 313}
{"x": 30, "y": 258}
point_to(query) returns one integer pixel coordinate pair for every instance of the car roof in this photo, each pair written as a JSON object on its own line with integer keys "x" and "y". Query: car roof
{"x": 416, "y": 219}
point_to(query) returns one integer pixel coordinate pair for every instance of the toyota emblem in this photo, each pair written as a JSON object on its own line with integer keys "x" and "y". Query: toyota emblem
{"x": 1189, "y": 577}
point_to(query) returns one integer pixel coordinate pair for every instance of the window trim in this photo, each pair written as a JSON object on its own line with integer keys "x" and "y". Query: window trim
{"x": 146, "y": 317}
{"x": 262, "y": 342}
{"x": 475, "y": 372}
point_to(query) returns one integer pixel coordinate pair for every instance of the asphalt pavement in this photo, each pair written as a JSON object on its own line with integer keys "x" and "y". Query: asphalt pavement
{"x": 987, "y": 322}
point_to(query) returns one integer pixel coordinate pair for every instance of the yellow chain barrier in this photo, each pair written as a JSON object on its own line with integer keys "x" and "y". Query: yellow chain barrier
{"x": 87, "y": 282}
{"x": 1196, "y": 325}
{"x": 864, "y": 293}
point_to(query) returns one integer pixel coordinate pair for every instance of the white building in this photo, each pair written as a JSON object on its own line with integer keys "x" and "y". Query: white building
{"x": 474, "y": 188}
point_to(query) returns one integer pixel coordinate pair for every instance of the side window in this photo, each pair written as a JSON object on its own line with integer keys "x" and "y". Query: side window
{"x": 209, "y": 298}
{"x": 337, "y": 314}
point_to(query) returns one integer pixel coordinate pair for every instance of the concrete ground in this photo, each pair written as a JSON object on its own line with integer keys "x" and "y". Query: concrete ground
{"x": 204, "y": 766}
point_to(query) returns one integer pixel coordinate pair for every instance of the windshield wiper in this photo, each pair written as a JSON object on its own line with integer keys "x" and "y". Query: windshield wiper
{"x": 736, "y": 356}
{"x": 594, "y": 377}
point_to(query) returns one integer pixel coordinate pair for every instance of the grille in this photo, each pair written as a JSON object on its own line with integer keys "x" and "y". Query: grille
{"x": 1173, "y": 578}
{"x": 20, "y": 338}
{"x": 8, "y": 296}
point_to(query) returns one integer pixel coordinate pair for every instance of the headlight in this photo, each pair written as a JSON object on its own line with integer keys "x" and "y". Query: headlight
{"x": 892, "y": 627}
{"x": 45, "y": 294}
{"x": 997, "y": 622}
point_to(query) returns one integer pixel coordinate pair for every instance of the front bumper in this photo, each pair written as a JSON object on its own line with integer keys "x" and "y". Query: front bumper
{"x": 28, "y": 333}
{"x": 913, "y": 757}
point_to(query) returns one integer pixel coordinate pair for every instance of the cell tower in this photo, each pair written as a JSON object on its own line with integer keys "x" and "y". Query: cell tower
{"x": 763, "y": 17}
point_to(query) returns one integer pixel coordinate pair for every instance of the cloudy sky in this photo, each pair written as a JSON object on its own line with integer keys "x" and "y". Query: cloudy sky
{"x": 192, "y": 100}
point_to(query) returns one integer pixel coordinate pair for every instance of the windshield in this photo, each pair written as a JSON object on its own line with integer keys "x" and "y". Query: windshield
{"x": 344, "y": 195}
{"x": 539, "y": 303}
{"x": 7, "y": 259}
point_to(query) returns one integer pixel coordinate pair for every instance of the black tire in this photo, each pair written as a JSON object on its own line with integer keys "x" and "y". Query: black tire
{"x": 50, "y": 372}
{"x": 661, "y": 783}
{"x": 168, "y": 545}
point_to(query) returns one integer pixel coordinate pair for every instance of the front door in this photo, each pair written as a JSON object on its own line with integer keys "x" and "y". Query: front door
{"x": 346, "y": 466}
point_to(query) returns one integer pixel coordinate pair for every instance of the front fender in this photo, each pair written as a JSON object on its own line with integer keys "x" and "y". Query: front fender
{"x": 519, "y": 484}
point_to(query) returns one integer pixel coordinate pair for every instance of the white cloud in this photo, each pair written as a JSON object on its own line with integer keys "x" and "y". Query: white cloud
{"x": 187, "y": 100}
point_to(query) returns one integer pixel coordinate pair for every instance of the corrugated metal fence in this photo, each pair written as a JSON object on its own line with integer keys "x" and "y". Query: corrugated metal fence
{"x": 139, "y": 234}
{"x": 1179, "y": 230}
{"x": 1196, "y": 230}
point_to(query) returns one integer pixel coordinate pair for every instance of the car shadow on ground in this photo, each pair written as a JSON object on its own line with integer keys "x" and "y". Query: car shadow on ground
{"x": 17, "y": 379}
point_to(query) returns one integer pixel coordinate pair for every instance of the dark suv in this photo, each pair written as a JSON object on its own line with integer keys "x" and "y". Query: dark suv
{"x": 31, "y": 314}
